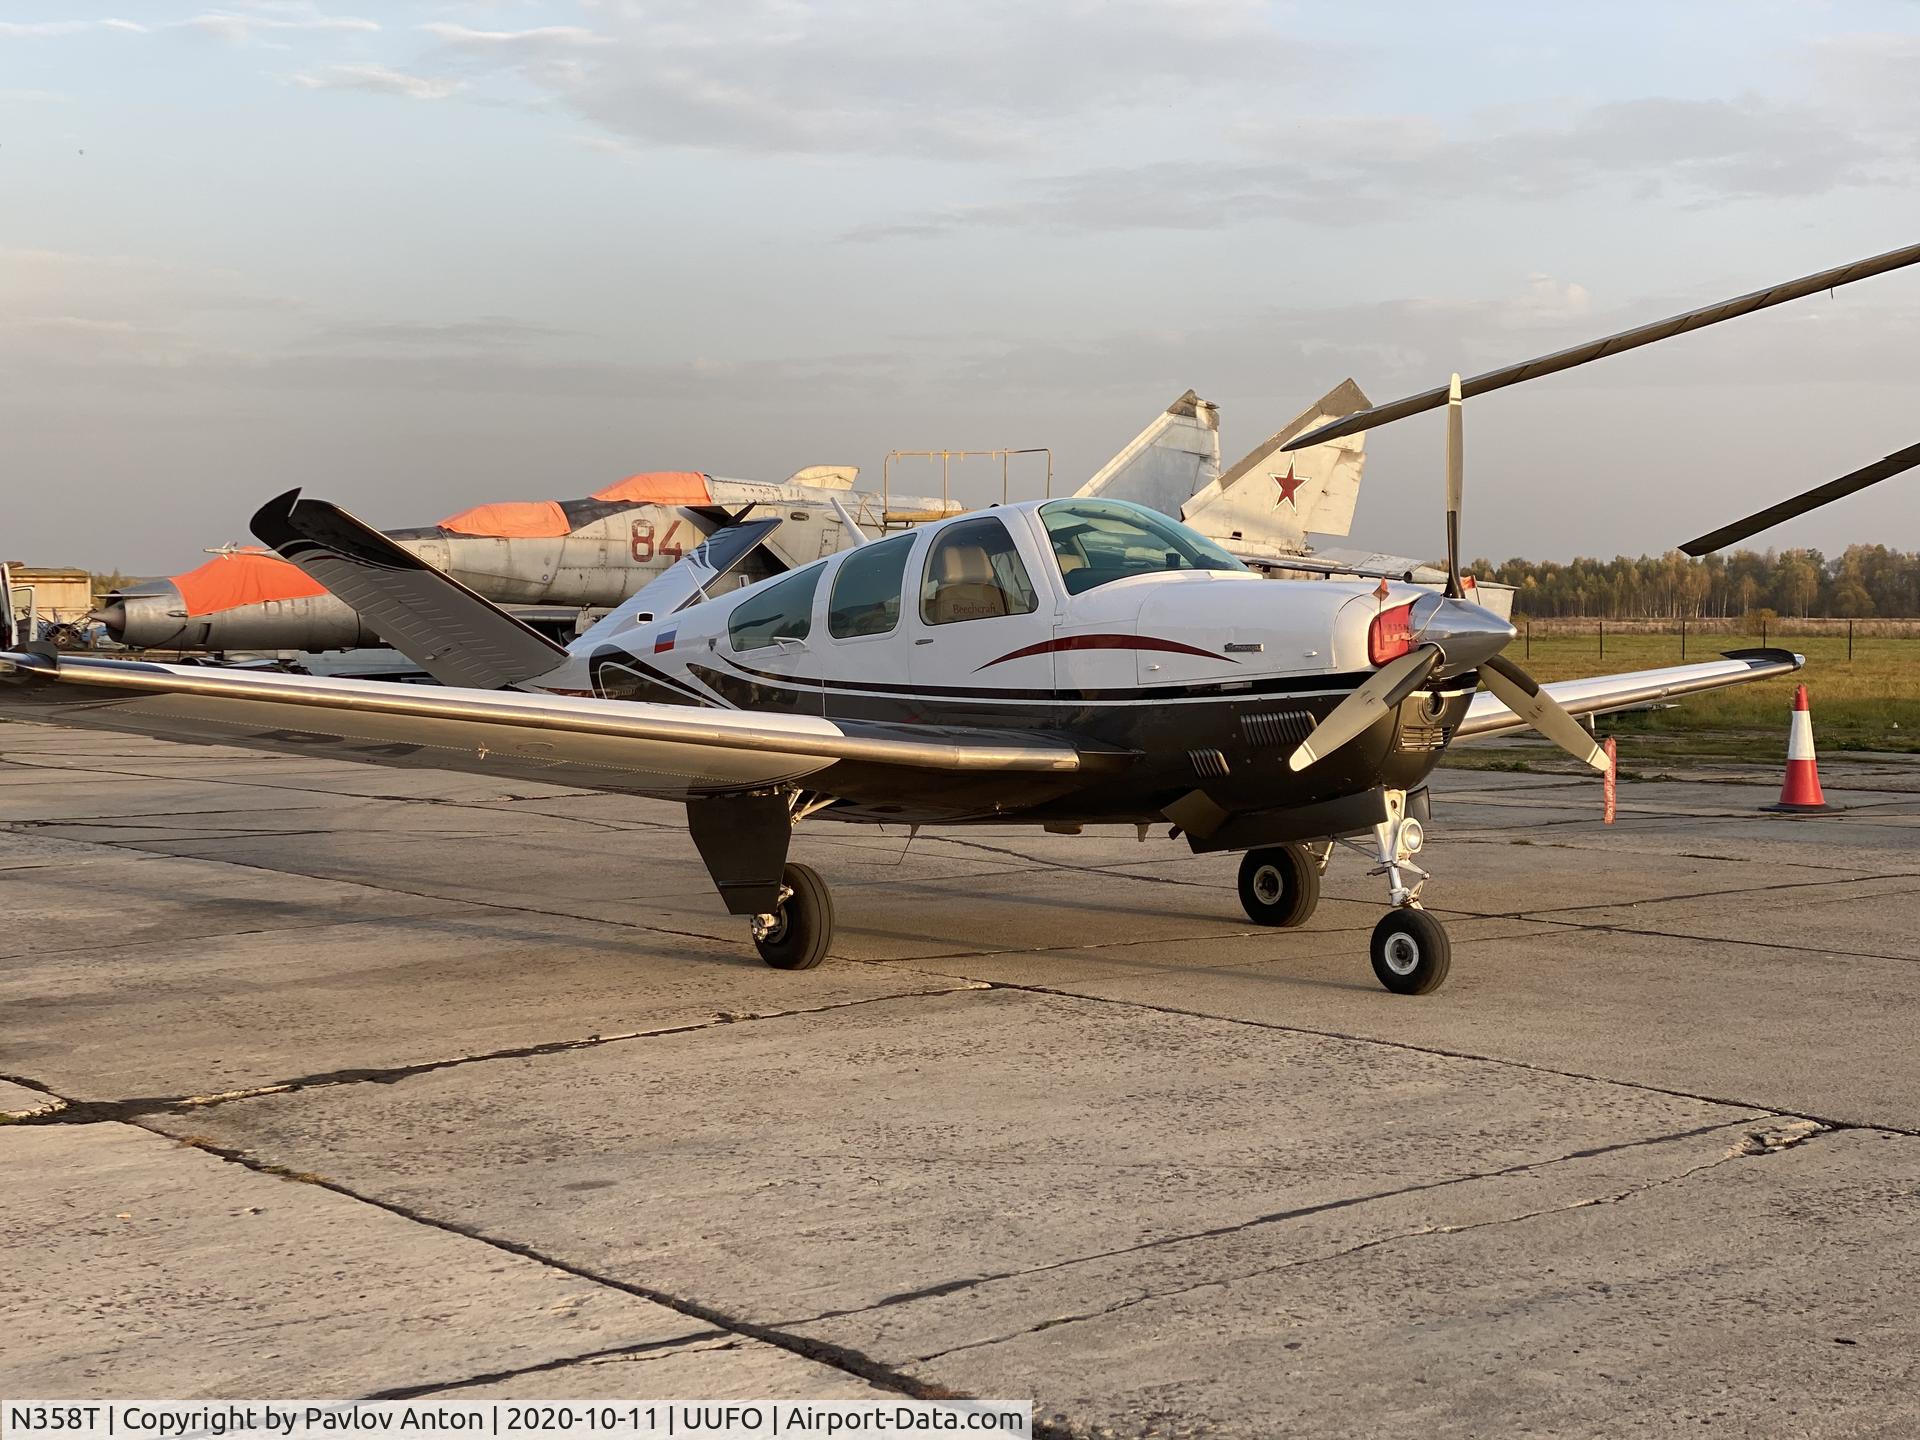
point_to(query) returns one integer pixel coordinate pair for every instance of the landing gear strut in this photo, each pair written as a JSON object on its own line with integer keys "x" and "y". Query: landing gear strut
{"x": 795, "y": 936}
{"x": 1410, "y": 950}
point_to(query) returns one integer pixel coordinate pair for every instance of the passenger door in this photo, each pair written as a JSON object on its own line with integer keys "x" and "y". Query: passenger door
{"x": 978, "y": 623}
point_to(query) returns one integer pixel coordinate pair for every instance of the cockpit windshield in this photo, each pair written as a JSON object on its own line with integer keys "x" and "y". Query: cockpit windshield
{"x": 1097, "y": 541}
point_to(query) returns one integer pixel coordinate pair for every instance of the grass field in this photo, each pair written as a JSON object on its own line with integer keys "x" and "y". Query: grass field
{"x": 1871, "y": 702}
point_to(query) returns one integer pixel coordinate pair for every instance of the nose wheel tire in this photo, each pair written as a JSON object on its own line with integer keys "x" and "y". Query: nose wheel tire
{"x": 1411, "y": 953}
{"x": 1279, "y": 885}
{"x": 796, "y": 935}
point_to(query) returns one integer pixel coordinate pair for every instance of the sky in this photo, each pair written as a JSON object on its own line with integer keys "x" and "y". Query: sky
{"x": 414, "y": 256}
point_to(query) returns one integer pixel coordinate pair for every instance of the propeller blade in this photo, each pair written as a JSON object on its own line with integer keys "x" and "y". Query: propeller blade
{"x": 1521, "y": 693}
{"x": 1456, "y": 484}
{"x": 1386, "y": 688}
{"x": 1806, "y": 500}
{"x": 1612, "y": 344}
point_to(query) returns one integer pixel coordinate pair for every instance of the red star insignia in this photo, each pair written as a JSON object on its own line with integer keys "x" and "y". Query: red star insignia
{"x": 1288, "y": 484}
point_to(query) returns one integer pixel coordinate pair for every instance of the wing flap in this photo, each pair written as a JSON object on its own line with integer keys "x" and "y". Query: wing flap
{"x": 1598, "y": 694}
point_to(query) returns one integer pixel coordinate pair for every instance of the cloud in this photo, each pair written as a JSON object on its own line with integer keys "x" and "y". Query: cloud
{"x": 1354, "y": 171}
{"x": 522, "y": 42}
{"x": 997, "y": 78}
{"x": 46, "y": 29}
{"x": 232, "y": 26}
{"x": 377, "y": 80}
{"x": 238, "y": 29}
{"x": 484, "y": 332}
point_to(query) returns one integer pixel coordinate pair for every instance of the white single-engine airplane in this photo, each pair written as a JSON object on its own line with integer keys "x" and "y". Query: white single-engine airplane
{"x": 1061, "y": 662}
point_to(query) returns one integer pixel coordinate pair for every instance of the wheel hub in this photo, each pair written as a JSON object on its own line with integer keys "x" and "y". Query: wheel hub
{"x": 1268, "y": 885}
{"x": 1402, "y": 954}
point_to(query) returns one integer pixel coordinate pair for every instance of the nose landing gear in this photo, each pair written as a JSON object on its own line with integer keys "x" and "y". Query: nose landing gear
{"x": 1410, "y": 950}
{"x": 1411, "y": 953}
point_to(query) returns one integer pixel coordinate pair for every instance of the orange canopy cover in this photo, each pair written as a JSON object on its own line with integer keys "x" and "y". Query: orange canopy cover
{"x": 532, "y": 519}
{"x": 245, "y": 577}
{"x": 660, "y": 487}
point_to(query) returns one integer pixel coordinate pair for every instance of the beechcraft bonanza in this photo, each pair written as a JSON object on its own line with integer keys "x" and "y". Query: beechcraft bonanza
{"x": 1058, "y": 662}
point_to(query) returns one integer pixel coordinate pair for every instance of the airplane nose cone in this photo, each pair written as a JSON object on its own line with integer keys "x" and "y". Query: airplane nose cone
{"x": 1468, "y": 635}
{"x": 114, "y": 617}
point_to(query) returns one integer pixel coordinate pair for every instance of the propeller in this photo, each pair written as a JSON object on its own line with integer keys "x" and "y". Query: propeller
{"x": 1353, "y": 716}
{"x": 1521, "y": 693}
{"x": 1462, "y": 625}
{"x": 1894, "y": 464}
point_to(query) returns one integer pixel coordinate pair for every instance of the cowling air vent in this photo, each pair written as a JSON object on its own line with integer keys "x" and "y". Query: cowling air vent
{"x": 1421, "y": 734}
{"x": 1208, "y": 764}
{"x": 1276, "y": 729}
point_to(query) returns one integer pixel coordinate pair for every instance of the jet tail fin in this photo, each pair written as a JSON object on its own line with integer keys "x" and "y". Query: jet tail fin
{"x": 9, "y": 627}
{"x": 1268, "y": 502}
{"x": 1176, "y": 455}
{"x": 456, "y": 636}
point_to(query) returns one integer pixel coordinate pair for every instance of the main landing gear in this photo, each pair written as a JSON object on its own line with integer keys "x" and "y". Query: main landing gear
{"x": 1280, "y": 885}
{"x": 795, "y": 936}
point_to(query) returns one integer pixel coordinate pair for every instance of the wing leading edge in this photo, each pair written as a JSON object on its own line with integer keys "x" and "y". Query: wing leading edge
{"x": 667, "y": 751}
{"x": 1598, "y": 694}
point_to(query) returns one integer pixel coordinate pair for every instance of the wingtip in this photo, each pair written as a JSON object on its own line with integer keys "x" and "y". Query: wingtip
{"x": 271, "y": 523}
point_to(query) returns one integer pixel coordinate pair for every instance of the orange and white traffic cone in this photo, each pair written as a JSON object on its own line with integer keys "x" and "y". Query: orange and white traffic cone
{"x": 1801, "y": 794}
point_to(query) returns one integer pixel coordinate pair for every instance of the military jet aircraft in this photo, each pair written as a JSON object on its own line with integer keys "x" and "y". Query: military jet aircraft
{"x": 565, "y": 555}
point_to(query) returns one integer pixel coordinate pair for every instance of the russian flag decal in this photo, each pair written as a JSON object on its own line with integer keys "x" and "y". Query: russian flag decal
{"x": 664, "y": 641}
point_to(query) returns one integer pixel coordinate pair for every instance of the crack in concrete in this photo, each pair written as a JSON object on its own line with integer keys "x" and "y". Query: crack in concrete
{"x": 1753, "y": 1143}
{"x": 93, "y": 1112}
{"x": 838, "y": 1357}
{"x": 1277, "y": 1217}
{"x": 642, "y": 1351}
{"x": 1829, "y": 1121}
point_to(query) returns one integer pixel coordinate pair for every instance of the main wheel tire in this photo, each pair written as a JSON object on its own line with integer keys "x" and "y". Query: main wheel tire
{"x": 802, "y": 926}
{"x": 1279, "y": 885}
{"x": 1411, "y": 952}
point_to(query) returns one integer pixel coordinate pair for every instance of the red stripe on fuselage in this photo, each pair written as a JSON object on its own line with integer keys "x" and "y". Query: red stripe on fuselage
{"x": 1106, "y": 642}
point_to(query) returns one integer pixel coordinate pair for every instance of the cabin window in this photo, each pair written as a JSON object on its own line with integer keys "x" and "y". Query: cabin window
{"x": 975, "y": 573}
{"x": 1098, "y": 541}
{"x": 782, "y": 611}
{"x": 866, "y": 591}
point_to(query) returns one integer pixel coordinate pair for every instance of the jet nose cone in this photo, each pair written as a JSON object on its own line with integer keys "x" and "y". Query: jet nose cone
{"x": 1468, "y": 635}
{"x": 114, "y": 617}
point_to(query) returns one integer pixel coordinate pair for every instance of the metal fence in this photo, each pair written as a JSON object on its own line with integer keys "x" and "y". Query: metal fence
{"x": 1710, "y": 637}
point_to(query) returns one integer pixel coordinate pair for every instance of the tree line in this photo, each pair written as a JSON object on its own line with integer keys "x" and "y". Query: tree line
{"x": 1864, "y": 580}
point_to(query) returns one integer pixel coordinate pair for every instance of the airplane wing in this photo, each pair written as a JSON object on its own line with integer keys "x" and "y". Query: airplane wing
{"x": 666, "y": 751}
{"x": 1598, "y": 694}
